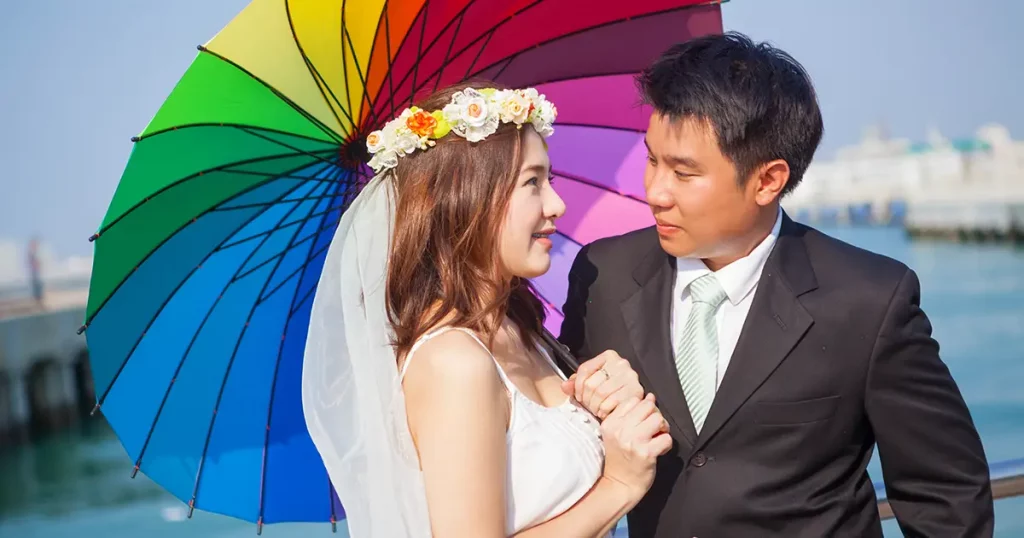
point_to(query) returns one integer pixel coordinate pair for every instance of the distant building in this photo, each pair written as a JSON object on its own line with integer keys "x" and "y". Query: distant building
{"x": 880, "y": 171}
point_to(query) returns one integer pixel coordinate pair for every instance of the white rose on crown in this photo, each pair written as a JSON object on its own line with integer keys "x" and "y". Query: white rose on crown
{"x": 376, "y": 141}
{"x": 384, "y": 159}
{"x": 514, "y": 106}
{"x": 543, "y": 117}
{"x": 407, "y": 143}
{"x": 471, "y": 115}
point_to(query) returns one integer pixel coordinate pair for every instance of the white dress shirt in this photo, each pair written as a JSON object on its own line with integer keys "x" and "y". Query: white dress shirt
{"x": 738, "y": 279}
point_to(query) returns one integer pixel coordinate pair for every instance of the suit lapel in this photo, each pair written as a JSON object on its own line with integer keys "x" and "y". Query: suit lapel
{"x": 775, "y": 323}
{"x": 648, "y": 314}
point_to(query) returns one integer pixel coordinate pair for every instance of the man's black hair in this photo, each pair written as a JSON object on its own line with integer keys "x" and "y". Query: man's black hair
{"x": 757, "y": 98}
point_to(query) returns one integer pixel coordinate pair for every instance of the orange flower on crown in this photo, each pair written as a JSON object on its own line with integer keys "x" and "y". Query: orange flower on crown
{"x": 422, "y": 123}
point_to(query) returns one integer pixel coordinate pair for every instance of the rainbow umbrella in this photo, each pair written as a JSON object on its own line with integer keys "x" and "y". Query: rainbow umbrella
{"x": 209, "y": 255}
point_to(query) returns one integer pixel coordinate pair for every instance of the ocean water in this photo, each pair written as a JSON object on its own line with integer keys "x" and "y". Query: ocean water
{"x": 76, "y": 484}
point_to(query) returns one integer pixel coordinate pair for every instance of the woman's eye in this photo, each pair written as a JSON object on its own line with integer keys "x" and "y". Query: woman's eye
{"x": 532, "y": 181}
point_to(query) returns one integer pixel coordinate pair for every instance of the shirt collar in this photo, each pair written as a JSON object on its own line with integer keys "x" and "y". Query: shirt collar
{"x": 739, "y": 277}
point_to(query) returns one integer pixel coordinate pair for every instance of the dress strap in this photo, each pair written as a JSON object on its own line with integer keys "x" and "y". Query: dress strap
{"x": 543, "y": 350}
{"x": 436, "y": 332}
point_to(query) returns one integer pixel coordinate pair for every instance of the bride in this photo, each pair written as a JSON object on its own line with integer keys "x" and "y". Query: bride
{"x": 426, "y": 387}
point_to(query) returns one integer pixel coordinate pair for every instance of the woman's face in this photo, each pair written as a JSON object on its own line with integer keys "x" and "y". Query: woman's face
{"x": 525, "y": 241}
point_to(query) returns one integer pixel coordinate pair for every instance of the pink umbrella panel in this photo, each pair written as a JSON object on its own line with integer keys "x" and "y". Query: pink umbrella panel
{"x": 598, "y": 172}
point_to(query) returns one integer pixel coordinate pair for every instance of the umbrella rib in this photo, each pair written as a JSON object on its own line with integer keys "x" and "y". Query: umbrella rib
{"x": 312, "y": 290}
{"x": 282, "y": 144}
{"x": 270, "y": 409}
{"x": 369, "y": 63}
{"x": 200, "y": 173}
{"x": 319, "y": 124}
{"x": 136, "y": 206}
{"x": 391, "y": 67}
{"x": 283, "y": 176}
{"x": 554, "y": 80}
{"x": 569, "y": 238}
{"x": 479, "y": 53}
{"x": 330, "y": 499}
{"x": 594, "y": 27}
{"x": 318, "y": 79}
{"x": 419, "y": 49}
{"x": 471, "y": 43}
{"x": 264, "y": 204}
{"x": 184, "y": 356}
{"x": 359, "y": 70}
{"x": 240, "y": 227}
{"x": 227, "y": 374}
{"x": 547, "y": 302}
{"x": 283, "y": 253}
{"x": 285, "y": 225}
{"x": 507, "y": 63}
{"x": 391, "y": 96}
{"x": 448, "y": 53}
{"x": 344, "y": 58}
{"x": 280, "y": 226}
{"x": 229, "y": 124}
{"x": 346, "y": 36}
{"x": 596, "y": 126}
{"x": 567, "y": 35}
{"x": 596, "y": 185}
{"x": 302, "y": 267}
{"x": 333, "y": 223}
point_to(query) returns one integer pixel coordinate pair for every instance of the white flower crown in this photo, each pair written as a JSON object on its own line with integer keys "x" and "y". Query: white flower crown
{"x": 472, "y": 114}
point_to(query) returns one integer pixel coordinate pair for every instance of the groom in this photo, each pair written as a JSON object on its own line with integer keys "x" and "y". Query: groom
{"x": 779, "y": 355}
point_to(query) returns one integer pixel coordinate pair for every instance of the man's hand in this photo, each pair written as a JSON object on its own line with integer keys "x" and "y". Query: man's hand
{"x": 604, "y": 382}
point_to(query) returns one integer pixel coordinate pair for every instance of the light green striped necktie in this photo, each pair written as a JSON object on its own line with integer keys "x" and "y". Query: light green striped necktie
{"x": 697, "y": 352}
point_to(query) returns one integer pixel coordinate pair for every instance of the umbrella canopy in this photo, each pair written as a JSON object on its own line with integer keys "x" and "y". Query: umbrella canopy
{"x": 208, "y": 258}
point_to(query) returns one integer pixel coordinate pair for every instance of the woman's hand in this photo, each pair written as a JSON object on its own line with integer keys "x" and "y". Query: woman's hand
{"x": 603, "y": 383}
{"x": 634, "y": 435}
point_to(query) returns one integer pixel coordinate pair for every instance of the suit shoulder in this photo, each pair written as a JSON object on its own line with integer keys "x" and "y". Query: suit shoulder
{"x": 849, "y": 263}
{"x": 628, "y": 246}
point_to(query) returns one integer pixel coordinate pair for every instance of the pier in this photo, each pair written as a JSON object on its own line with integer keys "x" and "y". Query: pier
{"x": 45, "y": 382}
{"x": 967, "y": 189}
{"x": 968, "y": 216}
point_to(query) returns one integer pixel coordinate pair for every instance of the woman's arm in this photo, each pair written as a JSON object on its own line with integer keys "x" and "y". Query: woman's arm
{"x": 458, "y": 413}
{"x": 458, "y": 410}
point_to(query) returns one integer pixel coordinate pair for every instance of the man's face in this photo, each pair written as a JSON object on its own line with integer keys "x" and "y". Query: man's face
{"x": 701, "y": 210}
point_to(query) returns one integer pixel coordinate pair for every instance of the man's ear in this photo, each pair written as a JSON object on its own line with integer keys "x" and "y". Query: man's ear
{"x": 769, "y": 181}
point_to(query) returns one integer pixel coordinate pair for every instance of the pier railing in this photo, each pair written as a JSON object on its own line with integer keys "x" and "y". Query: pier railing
{"x": 1007, "y": 481}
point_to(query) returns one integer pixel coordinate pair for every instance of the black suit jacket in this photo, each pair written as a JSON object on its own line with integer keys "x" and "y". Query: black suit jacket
{"x": 835, "y": 356}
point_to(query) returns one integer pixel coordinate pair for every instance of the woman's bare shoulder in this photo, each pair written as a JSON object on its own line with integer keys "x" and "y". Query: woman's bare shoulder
{"x": 452, "y": 360}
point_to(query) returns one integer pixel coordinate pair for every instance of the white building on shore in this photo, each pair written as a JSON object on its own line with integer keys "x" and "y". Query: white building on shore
{"x": 931, "y": 181}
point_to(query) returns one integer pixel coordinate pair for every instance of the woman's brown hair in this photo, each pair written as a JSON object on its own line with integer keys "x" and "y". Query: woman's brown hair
{"x": 450, "y": 207}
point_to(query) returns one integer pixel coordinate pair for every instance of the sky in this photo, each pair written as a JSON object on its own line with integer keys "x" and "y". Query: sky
{"x": 79, "y": 79}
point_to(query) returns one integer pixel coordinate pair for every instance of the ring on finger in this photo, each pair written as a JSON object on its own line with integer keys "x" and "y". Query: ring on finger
{"x": 607, "y": 376}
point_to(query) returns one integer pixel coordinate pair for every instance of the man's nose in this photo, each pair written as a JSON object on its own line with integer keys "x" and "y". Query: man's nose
{"x": 657, "y": 191}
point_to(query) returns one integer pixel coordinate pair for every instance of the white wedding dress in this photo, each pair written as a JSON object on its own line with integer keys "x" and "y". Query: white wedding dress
{"x": 554, "y": 454}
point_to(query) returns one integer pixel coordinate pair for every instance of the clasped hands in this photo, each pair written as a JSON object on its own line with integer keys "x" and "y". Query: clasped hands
{"x": 633, "y": 430}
